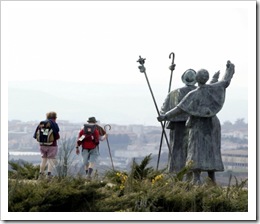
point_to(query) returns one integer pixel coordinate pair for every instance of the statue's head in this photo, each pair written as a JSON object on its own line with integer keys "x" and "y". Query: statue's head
{"x": 202, "y": 76}
{"x": 188, "y": 77}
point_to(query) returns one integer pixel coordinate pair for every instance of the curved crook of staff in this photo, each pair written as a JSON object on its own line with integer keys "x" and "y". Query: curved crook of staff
{"x": 172, "y": 67}
{"x": 108, "y": 125}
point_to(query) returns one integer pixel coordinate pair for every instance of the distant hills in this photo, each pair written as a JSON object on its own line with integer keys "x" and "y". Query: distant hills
{"x": 113, "y": 103}
{"x": 77, "y": 101}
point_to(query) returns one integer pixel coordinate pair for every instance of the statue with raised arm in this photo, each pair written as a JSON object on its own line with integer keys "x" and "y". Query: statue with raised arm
{"x": 202, "y": 104}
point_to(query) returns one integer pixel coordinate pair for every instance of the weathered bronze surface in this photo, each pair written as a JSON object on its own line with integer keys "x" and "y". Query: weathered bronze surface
{"x": 204, "y": 136}
{"x": 178, "y": 130}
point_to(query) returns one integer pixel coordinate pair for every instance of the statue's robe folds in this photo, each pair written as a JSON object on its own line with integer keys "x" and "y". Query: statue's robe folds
{"x": 204, "y": 138}
{"x": 178, "y": 130}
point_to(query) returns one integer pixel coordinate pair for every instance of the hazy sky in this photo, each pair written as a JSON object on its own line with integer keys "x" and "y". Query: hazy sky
{"x": 99, "y": 42}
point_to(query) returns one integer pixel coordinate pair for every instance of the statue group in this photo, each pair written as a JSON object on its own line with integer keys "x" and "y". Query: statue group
{"x": 191, "y": 115}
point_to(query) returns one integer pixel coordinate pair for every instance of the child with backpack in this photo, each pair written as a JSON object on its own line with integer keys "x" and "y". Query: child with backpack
{"x": 88, "y": 138}
{"x": 47, "y": 134}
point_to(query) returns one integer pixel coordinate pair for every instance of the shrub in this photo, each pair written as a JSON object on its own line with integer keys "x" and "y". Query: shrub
{"x": 141, "y": 190}
{"x": 58, "y": 195}
{"x": 23, "y": 170}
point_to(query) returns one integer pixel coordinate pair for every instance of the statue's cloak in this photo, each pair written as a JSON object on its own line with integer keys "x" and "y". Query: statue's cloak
{"x": 205, "y": 101}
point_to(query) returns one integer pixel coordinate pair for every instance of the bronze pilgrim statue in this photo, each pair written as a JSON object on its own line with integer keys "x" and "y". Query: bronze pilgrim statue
{"x": 204, "y": 135}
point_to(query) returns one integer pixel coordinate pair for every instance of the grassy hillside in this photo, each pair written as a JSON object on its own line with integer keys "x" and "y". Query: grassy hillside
{"x": 141, "y": 190}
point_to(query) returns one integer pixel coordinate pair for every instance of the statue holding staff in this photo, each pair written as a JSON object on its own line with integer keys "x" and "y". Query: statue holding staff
{"x": 202, "y": 105}
{"x": 178, "y": 130}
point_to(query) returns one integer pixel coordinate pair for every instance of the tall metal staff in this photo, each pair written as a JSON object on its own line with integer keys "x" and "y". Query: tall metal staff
{"x": 109, "y": 146}
{"x": 142, "y": 70}
{"x": 172, "y": 67}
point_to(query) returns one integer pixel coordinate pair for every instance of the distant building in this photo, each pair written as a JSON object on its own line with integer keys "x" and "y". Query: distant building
{"x": 235, "y": 159}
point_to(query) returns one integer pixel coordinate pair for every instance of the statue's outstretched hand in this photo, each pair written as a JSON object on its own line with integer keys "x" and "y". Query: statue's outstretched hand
{"x": 230, "y": 67}
{"x": 161, "y": 118}
{"x": 230, "y": 70}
